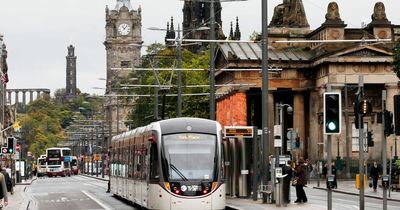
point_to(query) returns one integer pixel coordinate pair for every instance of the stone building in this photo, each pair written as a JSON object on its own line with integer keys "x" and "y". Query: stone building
{"x": 123, "y": 44}
{"x": 300, "y": 72}
{"x": 197, "y": 14}
{"x": 70, "y": 88}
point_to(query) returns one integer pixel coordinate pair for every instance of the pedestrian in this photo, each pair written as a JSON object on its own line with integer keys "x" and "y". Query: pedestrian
{"x": 374, "y": 174}
{"x": 334, "y": 174}
{"x": 301, "y": 177}
{"x": 3, "y": 190}
{"x": 288, "y": 171}
{"x": 7, "y": 180}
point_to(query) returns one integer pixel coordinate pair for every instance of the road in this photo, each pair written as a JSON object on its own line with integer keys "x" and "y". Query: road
{"x": 76, "y": 192}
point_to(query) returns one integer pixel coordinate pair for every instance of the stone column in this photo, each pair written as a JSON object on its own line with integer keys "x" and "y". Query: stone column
{"x": 30, "y": 96}
{"x": 23, "y": 98}
{"x": 9, "y": 97}
{"x": 391, "y": 90}
{"x": 16, "y": 96}
{"x": 271, "y": 122}
{"x": 314, "y": 125}
{"x": 299, "y": 119}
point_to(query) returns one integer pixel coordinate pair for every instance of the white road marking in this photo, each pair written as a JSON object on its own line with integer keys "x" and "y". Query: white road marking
{"x": 96, "y": 200}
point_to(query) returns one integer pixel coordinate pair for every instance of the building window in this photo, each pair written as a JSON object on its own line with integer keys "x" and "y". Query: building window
{"x": 355, "y": 140}
{"x": 125, "y": 64}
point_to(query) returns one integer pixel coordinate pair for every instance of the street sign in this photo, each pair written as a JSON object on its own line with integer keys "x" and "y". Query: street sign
{"x": 18, "y": 147}
{"x": 4, "y": 150}
{"x": 291, "y": 134}
{"x": 239, "y": 131}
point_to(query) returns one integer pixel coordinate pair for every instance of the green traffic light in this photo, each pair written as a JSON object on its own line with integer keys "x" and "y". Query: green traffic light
{"x": 332, "y": 126}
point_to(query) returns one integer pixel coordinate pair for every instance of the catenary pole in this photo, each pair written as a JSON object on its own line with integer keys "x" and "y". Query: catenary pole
{"x": 264, "y": 102}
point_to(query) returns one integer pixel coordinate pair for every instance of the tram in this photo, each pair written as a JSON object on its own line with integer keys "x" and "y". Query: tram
{"x": 173, "y": 164}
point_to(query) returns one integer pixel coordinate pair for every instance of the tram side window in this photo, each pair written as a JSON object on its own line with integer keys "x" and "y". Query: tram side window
{"x": 154, "y": 169}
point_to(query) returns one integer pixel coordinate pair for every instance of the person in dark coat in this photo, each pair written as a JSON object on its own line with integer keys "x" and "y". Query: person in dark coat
{"x": 301, "y": 176}
{"x": 288, "y": 171}
{"x": 374, "y": 174}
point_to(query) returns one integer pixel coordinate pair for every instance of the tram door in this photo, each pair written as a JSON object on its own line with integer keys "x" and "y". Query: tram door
{"x": 238, "y": 166}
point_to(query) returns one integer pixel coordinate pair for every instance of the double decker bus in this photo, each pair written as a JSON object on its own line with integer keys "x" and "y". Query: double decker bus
{"x": 58, "y": 161}
{"x": 41, "y": 166}
{"x": 74, "y": 165}
{"x": 170, "y": 164}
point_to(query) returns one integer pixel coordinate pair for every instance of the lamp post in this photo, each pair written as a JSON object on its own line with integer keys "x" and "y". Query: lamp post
{"x": 264, "y": 100}
{"x": 212, "y": 64}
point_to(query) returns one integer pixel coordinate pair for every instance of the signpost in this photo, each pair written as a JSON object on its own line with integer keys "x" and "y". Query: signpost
{"x": 239, "y": 131}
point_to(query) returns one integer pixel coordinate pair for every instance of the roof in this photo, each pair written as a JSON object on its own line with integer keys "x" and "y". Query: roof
{"x": 253, "y": 51}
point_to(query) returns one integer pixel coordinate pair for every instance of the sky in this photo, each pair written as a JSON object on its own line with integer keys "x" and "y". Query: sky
{"x": 37, "y": 32}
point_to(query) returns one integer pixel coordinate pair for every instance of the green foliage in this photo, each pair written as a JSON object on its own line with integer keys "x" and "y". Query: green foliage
{"x": 41, "y": 126}
{"x": 192, "y": 106}
{"x": 396, "y": 59}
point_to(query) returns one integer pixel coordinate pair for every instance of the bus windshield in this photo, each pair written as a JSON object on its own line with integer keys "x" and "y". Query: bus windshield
{"x": 189, "y": 156}
{"x": 42, "y": 161}
{"x": 54, "y": 153}
{"x": 53, "y": 162}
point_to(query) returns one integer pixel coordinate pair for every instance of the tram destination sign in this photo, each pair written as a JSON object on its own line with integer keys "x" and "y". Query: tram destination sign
{"x": 238, "y": 131}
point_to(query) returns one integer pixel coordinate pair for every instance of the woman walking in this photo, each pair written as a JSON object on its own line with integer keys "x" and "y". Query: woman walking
{"x": 301, "y": 176}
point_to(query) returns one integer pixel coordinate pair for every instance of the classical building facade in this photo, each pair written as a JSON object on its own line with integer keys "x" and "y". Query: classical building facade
{"x": 123, "y": 44}
{"x": 301, "y": 71}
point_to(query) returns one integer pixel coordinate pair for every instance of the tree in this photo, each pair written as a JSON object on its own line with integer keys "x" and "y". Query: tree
{"x": 41, "y": 126}
{"x": 142, "y": 112}
{"x": 396, "y": 58}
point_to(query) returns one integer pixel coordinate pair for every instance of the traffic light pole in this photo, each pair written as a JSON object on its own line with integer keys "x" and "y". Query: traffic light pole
{"x": 384, "y": 145}
{"x": 361, "y": 143}
{"x": 329, "y": 160}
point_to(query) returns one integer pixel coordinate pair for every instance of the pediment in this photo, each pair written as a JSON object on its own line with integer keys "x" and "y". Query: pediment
{"x": 363, "y": 51}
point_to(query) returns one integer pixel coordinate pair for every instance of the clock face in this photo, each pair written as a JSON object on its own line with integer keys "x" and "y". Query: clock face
{"x": 124, "y": 29}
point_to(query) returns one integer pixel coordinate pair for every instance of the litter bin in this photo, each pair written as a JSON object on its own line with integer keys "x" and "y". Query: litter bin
{"x": 18, "y": 176}
{"x": 282, "y": 192}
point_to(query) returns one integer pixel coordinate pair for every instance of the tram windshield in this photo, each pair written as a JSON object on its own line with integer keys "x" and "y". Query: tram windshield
{"x": 189, "y": 156}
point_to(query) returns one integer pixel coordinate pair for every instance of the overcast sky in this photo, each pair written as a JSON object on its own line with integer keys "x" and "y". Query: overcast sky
{"x": 37, "y": 32}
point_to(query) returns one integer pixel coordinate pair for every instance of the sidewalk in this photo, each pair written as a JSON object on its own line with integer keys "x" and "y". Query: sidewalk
{"x": 345, "y": 187}
{"x": 349, "y": 187}
{"x": 19, "y": 200}
{"x": 106, "y": 178}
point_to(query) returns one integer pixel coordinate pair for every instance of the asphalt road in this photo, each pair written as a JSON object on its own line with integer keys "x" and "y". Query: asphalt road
{"x": 76, "y": 192}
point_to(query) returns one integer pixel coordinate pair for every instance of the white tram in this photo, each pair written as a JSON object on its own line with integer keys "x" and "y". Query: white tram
{"x": 170, "y": 164}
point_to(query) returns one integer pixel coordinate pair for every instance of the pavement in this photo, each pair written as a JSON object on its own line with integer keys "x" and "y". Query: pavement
{"x": 344, "y": 187}
{"x": 19, "y": 200}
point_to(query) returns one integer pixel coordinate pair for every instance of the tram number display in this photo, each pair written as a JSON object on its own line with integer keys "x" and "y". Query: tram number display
{"x": 239, "y": 131}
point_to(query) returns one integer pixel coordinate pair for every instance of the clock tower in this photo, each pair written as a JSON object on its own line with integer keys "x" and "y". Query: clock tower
{"x": 123, "y": 44}
{"x": 123, "y": 41}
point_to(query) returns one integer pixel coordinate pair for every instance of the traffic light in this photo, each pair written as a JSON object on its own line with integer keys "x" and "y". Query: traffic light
{"x": 397, "y": 114}
{"x": 389, "y": 129}
{"x": 297, "y": 142}
{"x": 370, "y": 140}
{"x": 10, "y": 145}
{"x": 332, "y": 113}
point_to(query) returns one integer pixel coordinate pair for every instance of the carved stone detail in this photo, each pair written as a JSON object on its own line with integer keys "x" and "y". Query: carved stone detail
{"x": 290, "y": 14}
{"x": 379, "y": 12}
{"x": 333, "y": 12}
